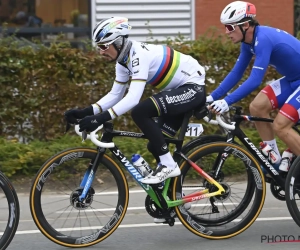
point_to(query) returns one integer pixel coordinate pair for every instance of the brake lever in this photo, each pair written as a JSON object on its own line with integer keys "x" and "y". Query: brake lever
{"x": 83, "y": 135}
{"x": 209, "y": 115}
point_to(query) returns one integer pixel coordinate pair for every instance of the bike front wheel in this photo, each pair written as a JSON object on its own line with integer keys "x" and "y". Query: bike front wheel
{"x": 9, "y": 212}
{"x": 292, "y": 190}
{"x": 227, "y": 215}
{"x": 58, "y": 211}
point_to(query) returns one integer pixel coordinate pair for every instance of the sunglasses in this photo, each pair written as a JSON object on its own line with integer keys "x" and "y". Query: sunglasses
{"x": 231, "y": 27}
{"x": 105, "y": 46}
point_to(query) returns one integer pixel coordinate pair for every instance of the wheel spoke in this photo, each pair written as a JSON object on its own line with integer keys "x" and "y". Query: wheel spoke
{"x": 237, "y": 208}
{"x": 69, "y": 219}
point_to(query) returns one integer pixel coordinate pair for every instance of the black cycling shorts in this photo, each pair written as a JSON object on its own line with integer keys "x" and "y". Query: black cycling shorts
{"x": 174, "y": 103}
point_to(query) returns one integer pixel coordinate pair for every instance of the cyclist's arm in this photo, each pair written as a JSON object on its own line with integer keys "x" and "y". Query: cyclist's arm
{"x": 263, "y": 50}
{"x": 116, "y": 93}
{"x": 111, "y": 98}
{"x": 235, "y": 74}
{"x": 131, "y": 99}
{"x": 136, "y": 88}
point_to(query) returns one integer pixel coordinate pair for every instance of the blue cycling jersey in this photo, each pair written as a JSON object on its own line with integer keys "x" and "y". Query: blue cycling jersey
{"x": 270, "y": 46}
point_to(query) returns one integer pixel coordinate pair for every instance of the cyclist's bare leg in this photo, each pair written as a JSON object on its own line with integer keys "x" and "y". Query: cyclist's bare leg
{"x": 283, "y": 129}
{"x": 261, "y": 107}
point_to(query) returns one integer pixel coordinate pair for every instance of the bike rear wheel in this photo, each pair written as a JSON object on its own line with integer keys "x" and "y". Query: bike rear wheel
{"x": 292, "y": 190}
{"x": 55, "y": 205}
{"x": 227, "y": 215}
{"x": 9, "y": 211}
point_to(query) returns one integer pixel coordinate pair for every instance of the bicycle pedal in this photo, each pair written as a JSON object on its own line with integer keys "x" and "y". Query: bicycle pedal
{"x": 170, "y": 221}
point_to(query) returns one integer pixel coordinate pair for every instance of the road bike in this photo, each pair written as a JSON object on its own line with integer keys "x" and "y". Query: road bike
{"x": 80, "y": 196}
{"x": 275, "y": 178}
{"x": 9, "y": 211}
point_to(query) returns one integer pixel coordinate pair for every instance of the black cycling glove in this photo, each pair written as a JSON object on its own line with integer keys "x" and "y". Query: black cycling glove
{"x": 74, "y": 115}
{"x": 90, "y": 123}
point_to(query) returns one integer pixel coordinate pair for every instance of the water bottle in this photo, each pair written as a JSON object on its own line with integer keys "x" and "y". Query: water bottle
{"x": 287, "y": 158}
{"x": 268, "y": 151}
{"x": 141, "y": 165}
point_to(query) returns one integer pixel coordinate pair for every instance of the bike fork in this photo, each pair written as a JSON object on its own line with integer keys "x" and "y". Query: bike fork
{"x": 89, "y": 175}
{"x": 87, "y": 181}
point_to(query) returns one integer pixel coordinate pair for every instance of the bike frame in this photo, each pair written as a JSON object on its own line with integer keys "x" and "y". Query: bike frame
{"x": 237, "y": 132}
{"x": 158, "y": 196}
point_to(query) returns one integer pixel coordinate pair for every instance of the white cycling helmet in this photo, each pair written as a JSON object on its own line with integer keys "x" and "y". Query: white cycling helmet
{"x": 110, "y": 29}
{"x": 236, "y": 11}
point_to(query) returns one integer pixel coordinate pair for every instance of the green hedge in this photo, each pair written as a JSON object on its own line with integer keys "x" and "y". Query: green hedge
{"x": 39, "y": 83}
{"x": 25, "y": 159}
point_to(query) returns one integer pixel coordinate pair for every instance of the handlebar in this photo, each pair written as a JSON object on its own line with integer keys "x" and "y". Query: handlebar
{"x": 213, "y": 122}
{"x": 224, "y": 124}
{"x": 220, "y": 122}
{"x": 94, "y": 137}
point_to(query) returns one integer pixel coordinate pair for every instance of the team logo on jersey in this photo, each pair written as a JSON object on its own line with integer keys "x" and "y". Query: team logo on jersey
{"x": 185, "y": 73}
{"x": 181, "y": 98}
{"x": 135, "y": 62}
{"x": 143, "y": 45}
{"x": 198, "y": 88}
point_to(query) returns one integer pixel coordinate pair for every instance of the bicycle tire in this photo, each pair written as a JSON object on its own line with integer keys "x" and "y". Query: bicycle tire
{"x": 14, "y": 211}
{"x": 198, "y": 142}
{"x": 232, "y": 225}
{"x": 192, "y": 145}
{"x": 58, "y": 235}
{"x": 292, "y": 188}
{"x": 189, "y": 147}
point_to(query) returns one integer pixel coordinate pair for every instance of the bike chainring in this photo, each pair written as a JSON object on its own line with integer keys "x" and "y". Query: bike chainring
{"x": 277, "y": 191}
{"x": 157, "y": 212}
{"x": 85, "y": 203}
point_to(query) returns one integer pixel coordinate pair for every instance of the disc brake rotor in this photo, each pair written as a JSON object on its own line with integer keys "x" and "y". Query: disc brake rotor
{"x": 85, "y": 203}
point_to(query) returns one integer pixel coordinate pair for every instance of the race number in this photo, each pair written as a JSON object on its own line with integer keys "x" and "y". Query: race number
{"x": 194, "y": 129}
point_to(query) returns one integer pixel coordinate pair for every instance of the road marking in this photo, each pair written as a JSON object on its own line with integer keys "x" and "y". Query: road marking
{"x": 143, "y": 191}
{"x": 21, "y": 232}
{"x": 131, "y": 208}
{"x": 130, "y": 192}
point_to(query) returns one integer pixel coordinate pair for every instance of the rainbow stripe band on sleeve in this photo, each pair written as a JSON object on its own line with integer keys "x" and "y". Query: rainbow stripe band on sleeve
{"x": 167, "y": 69}
{"x": 112, "y": 113}
{"x": 122, "y": 83}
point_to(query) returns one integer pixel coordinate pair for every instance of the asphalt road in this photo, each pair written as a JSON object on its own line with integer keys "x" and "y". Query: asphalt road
{"x": 138, "y": 231}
